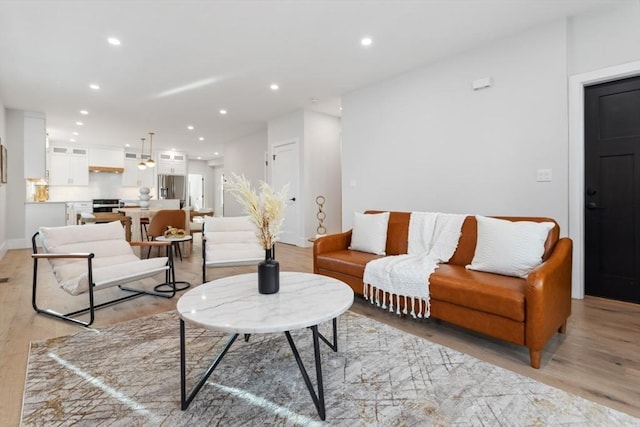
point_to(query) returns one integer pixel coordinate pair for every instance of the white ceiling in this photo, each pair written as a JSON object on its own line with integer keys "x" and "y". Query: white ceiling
{"x": 180, "y": 62}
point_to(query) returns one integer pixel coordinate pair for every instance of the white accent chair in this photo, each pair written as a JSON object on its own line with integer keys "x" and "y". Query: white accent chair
{"x": 88, "y": 258}
{"x": 229, "y": 241}
{"x": 196, "y": 220}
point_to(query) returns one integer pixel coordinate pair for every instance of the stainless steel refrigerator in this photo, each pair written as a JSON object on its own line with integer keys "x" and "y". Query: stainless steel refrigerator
{"x": 172, "y": 187}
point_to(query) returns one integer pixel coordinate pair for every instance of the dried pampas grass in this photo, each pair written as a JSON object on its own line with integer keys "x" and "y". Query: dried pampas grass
{"x": 266, "y": 210}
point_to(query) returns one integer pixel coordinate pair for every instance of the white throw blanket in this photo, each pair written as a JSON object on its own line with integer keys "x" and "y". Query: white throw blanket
{"x": 433, "y": 239}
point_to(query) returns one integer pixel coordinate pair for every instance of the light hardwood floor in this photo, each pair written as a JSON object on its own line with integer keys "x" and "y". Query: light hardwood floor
{"x": 598, "y": 358}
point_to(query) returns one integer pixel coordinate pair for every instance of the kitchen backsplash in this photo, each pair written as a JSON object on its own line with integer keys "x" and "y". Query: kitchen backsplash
{"x": 101, "y": 186}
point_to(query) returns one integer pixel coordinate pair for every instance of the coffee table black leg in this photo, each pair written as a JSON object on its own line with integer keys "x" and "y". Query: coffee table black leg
{"x": 318, "y": 399}
{"x": 333, "y": 346}
{"x": 184, "y": 399}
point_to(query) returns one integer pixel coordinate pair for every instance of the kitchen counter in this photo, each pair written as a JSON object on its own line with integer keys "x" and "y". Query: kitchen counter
{"x": 48, "y": 202}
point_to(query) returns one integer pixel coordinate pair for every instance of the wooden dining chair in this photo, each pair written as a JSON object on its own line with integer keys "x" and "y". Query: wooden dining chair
{"x": 162, "y": 220}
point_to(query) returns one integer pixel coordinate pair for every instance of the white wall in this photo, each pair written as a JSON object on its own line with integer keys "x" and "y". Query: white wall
{"x": 35, "y": 131}
{"x": 244, "y": 156}
{"x": 604, "y": 38}
{"x": 287, "y": 127}
{"x": 218, "y": 202}
{"x": 318, "y": 137}
{"x": 426, "y": 141}
{"x": 321, "y": 171}
{"x": 284, "y": 129}
{"x": 16, "y": 187}
{"x": 3, "y": 190}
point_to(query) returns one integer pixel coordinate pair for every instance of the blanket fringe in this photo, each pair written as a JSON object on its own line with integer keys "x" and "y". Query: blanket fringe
{"x": 372, "y": 294}
{"x": 432, "y": 239}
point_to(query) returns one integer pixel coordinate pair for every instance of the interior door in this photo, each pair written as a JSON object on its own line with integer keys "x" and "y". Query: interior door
{"x": 612, "y": 185}
{"x": 285, "y": 170}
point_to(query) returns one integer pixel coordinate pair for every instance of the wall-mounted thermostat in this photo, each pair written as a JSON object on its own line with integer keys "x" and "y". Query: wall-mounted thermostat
{"x": 482, "y": 83}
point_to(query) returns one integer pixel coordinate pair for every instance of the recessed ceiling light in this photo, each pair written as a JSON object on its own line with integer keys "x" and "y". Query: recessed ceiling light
{"x": 201, "y": 138}
{"x": 366, "y": 41}
{"x": 216, "y": 153}
{"x": 75, "y": 133}
{"x": 274, "y": 86}
{"x": 199, "y": 158}
{"x": 79, "y": 123}
{"x": 94, "y": 86}
{"x": 72, "y": 140}
{"x": 84, "y": 112}
{"x": 127, "y": 145}
{"x": 190, "y": 127}
{"x": 223, "y": 112}
{"x": 113, "y": 41}
{"x": 313, "y": 100}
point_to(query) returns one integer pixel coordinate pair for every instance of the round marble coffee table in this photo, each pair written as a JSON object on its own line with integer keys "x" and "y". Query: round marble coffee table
{"x": 234, "y": 305}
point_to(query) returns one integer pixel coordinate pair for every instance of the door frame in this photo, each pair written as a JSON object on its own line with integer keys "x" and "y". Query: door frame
{"x": 576, "y": 160}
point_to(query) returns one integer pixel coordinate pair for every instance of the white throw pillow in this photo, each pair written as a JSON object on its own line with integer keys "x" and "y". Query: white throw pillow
{"x": 369, "y": 232}
{"x": 510, "y": 248}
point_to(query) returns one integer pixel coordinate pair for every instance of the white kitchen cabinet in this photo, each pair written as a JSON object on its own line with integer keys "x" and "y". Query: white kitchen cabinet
{"x": 112, "y": 158}
{"x": 68, "y": 166}
{"x": 171, "y": 163}
{"x": 134, "y": 177}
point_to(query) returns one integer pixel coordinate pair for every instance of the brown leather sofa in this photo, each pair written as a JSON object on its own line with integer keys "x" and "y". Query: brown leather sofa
{"x": 527, "y": 311}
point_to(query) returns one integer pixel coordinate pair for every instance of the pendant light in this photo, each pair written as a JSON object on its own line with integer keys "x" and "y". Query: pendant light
{"x": 149, "y": 162}
{"x": 142, "y": 166}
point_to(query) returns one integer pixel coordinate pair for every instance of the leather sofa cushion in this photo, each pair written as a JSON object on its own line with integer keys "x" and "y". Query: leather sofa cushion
{"x": 346, "y": 261}
{"x": 487, "y": 292}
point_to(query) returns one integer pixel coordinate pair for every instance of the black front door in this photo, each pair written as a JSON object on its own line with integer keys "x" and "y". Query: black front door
{"x": 612, "y": 185}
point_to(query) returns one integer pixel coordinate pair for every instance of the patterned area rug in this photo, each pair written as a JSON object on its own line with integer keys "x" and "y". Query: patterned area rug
{"x": 129, "y": 375}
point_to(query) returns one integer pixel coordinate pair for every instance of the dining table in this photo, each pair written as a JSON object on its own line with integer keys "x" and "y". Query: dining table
{"x": 137, "y": 214}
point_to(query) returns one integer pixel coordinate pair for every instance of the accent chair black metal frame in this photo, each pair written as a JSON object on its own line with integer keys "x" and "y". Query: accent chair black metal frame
{"x": 135, "y": 292}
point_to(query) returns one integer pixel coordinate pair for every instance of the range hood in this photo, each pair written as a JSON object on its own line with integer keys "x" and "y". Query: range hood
{"x": 108, "y": 169}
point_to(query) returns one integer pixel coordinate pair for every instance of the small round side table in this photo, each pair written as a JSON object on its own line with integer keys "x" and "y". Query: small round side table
{"x": 175, "y": 244}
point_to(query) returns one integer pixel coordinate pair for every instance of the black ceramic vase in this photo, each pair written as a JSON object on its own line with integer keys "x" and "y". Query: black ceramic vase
{"x": 268, "y": 274}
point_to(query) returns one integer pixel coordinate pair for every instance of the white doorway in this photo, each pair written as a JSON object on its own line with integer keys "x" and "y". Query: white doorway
{"x": 285, "y": 169}
{"x": 196, "y": 191}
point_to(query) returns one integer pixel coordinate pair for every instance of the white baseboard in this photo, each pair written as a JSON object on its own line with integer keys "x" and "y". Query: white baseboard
{"x": 18, "y": 244}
